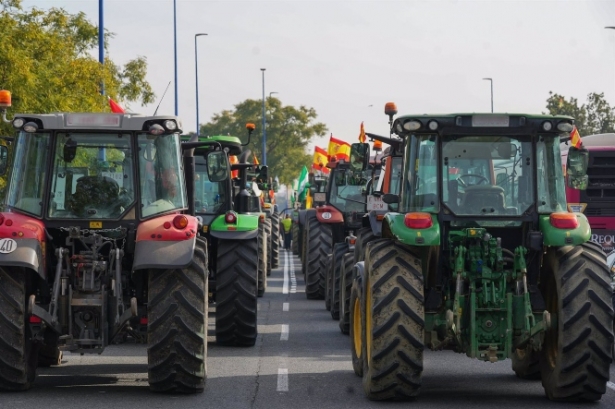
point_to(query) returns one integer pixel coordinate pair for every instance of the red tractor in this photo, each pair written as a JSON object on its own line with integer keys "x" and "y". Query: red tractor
{"x": 94, "y": 238}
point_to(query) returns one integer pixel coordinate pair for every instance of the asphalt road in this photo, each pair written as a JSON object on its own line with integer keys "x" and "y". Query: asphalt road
{"x": 301, "y": 360}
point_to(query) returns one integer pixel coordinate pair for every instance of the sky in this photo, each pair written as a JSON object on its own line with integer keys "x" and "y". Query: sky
{"x": 346, "y": 59}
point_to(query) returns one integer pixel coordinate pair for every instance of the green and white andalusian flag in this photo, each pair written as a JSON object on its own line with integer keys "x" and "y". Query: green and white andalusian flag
{"x": 302, "y": 183}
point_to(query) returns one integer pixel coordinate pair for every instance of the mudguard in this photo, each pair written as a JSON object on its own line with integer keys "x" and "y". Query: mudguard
{"x": 329, "y": 214}
{"x": 565, "y": 237}
{"x": 393, "y": 227}
{"x": 28, "y": 242}
{"x": 302, "y": 214}
{"x": 160, "y": 247}
{"x": 245, "y": 228}
{"x": 374, "y": 223}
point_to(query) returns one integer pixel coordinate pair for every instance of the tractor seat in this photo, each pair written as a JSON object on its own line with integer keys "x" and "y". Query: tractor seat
{"x": 477, "y": 198}
{"x": 94, "y": 193}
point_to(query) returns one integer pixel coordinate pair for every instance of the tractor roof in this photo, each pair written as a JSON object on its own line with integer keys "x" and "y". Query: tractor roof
{"x": 482, "y": 124}
{"x": 233, "y": 143}
{"x": 97, "y": 121}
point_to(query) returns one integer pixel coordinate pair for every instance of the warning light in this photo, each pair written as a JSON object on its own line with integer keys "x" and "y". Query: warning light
{"x": 250, "y": 126}
{"x": 390, "y": 109}
{"x": 5, "y": 98}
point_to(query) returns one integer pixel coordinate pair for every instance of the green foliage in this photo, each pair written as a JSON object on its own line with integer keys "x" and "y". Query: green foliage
{"x": 289, "y": 130}
{"x": 596, "y": 116}
{"x": 46, "y": 62}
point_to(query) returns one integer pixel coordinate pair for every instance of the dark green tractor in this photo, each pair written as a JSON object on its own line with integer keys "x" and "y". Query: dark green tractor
{"x": 221, "y": 204}
{"x": 483, "y": 258}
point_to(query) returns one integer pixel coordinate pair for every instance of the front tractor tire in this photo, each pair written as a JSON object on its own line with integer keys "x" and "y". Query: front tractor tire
{"x": 262, "y": 259}
{"x": 177, "y": 326}
{"x": 236, "y": 286}
{"x": 269, "y": 246}
{"x": 275, "y": 240}
{"x": 16, "y": 369}
{"x": 394, "y": 321}
{"x": 577, "y": 353}
{"x": 345, "y": 290}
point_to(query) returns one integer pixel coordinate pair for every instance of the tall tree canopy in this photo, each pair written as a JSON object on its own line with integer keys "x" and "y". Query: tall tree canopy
{"x": 289, "y": 130}
{"x": 593, "y": 117}
{"x": 45, "y": 62}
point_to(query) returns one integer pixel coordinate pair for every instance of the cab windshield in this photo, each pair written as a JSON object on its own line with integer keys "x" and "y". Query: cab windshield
{"x": 29, "y": 171}
{"x": 487, "y": 175}
{"x": 162, "y": 178}
{"x": 348, "y": 190}
{"x": 209, "y": 197}
{"x": 92, "y": 176}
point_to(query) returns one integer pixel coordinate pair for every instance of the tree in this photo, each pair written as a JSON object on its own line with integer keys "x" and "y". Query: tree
{"x": 289, "y": 130}
{"x": 45, "y": 62}
{"x": 594, "y": 117}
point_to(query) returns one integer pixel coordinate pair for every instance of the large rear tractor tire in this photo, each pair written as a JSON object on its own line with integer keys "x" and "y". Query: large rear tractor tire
{"x": 295, "y": 240}
{"x": 328, "y": 284}
{"x": 269, "y": 246}
{"x": 262, "y": 259}
{"x": 337, "y": 260}
{"x": 357, "y": 321}
{"x": 16, "y": 371}
{"x": 318, "y": 246}
{"x": 394, "y": 321}
{"x": 236, "y": 281}
{"x": 49, "y": 354}
{"x": 177, "y": 327}
{"x": 275, "y": 240}
{"x": 526, "y": 363}
{"x": 577, "y": 353}
{"x": 345, "y": 288}
{"x": 364, "y": 236}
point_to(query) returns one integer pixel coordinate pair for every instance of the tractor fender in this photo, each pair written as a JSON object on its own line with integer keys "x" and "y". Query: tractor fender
{"x": 245, "y": 228}
{"x": 329, "y": 214}
{"x": 22, "y": 242}
{"x": 302, "y": 217}
{"x": 24, "y": 253}
{"x": 160, "y": 247}
{"x": 374, "y": 223}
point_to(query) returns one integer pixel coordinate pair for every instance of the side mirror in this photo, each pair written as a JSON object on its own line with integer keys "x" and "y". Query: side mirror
{"x": 390, "y": 198}
{"x": 4, "y": 159}
{"x": 217, "y": 166}
{"x": 359, "y": 156}
{"x": 70, "y": 150}
{"x": 576, "y": 168}
{"x": 506, "y": 150}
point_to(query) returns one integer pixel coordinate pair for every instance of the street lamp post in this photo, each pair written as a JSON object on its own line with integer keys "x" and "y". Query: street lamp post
{"x": 196, "y": 69}
{"x": 264, "y": 122}
{"x": 101, "y": 40}
{"x": 610, "y": 27}
{"x": 491, "y": 81}
{"x": 175, "y": 49}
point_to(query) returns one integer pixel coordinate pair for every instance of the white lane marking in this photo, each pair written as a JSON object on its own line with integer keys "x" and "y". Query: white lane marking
{"x": 611, "y": 385}
{"x": 285, "y": 286}
{"x": 282, "y": 380}
{"x": 284, "y": 332}
{"x": 285, "y": 306}
{"x": 293, "y": 279}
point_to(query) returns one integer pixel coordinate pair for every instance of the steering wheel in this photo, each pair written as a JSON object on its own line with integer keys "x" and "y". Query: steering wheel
{"x": 464, "y": 184}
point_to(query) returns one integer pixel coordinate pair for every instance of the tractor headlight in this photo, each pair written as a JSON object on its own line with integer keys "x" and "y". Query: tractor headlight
{"x": 170, "y": 125}
{"x": 30, "y": 127}
{"x": 565, "y": 127}
{"x": 412, "y": 125}
{"x": 547, "y": 126}
{"x": 18, "y": 123}
{"x": 156, "y": 129}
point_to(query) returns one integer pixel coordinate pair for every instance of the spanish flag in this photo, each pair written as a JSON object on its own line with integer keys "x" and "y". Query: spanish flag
{"x": 233, "y": 160}
{"x": 362, "y": 134}
{"x": 575, "y": 138}
{"x": 320, "y": 158}
{"x": 339, "y": 149}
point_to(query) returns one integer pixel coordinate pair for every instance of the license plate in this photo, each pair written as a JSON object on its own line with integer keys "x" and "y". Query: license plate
{"x": 375, "y": 203}
{"x": 320, "y": 197}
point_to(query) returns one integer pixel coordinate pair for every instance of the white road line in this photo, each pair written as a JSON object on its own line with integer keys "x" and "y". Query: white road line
{"x": 284, "y": 332}
{"x": 285, "y": 286}
{"x": 282, "y": 380}
{"x": 293, "y": 279}
{"x": 285, "y": 306}
{"x": 611, "y": 385}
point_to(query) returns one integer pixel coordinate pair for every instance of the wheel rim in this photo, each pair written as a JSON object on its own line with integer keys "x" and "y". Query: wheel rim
{"x": 356, "y": 327}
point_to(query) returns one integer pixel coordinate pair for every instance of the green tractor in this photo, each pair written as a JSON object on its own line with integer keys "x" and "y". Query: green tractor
{"x": 483, "y": 258}
{"x": 232, "y": 232}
